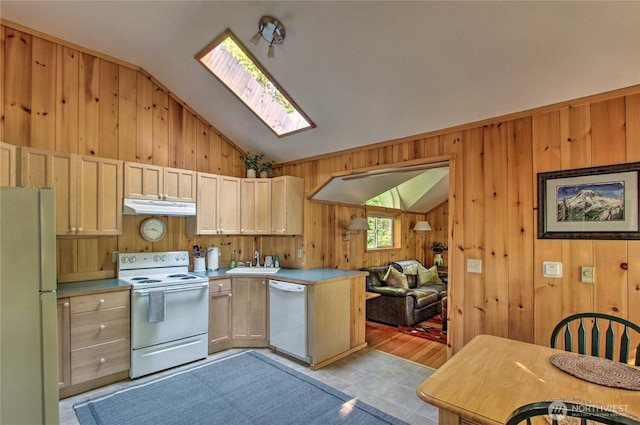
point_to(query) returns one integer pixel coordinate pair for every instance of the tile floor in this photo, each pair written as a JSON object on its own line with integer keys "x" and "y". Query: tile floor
{"x": 376, "y": 378}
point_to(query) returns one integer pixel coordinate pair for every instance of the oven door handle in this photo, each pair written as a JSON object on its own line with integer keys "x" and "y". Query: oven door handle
{"x": 179, "y": 289}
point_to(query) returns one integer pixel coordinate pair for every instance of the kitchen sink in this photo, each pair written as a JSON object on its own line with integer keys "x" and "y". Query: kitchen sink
{"x": 253, "y": 270}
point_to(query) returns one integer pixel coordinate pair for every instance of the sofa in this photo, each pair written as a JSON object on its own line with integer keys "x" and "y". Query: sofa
{"x": 409, "y": 294}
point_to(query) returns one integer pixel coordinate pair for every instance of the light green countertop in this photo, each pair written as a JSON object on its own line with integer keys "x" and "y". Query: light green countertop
{"x": 304, "y": 276}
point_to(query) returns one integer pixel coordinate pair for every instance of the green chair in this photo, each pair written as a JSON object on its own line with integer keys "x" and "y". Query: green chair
{"x": 599, "y": 319}
{"x": 558, "y": 410}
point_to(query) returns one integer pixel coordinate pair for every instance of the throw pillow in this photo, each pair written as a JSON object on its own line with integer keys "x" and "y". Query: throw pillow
{"x": 396, "y": 279}
{"x": 428, "y": 276}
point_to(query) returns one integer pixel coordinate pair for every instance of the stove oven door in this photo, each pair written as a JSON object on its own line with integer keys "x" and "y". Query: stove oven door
{"x": 186, "y": 314}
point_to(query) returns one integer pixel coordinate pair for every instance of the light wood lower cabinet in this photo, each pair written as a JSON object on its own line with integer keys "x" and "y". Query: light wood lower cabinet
{"x": 250, "y": 308}
{"x": 220, "y": 315}
{"x": 94, "y": 339}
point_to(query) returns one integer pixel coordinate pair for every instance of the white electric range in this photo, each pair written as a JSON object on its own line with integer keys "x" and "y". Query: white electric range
{"x": 169, "y": 310}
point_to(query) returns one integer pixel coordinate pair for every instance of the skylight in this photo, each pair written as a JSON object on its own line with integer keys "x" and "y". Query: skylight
{"x": 229, "y": 61}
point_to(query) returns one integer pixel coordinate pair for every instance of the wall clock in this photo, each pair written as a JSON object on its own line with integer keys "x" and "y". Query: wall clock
{"x": 153, "y": 229}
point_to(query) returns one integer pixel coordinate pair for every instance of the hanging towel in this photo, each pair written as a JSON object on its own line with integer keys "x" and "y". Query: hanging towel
{"x": 157, "y": 306}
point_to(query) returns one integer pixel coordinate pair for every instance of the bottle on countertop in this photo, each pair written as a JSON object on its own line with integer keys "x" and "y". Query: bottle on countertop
{"x": 277, "y": 261}
{"x": 232, "y": 265}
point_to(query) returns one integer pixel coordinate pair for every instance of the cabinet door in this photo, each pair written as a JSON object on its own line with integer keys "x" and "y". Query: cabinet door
{"x": 229, "y": 205}
{"x": 287, "y": 203}
{"x": 7, "y": 164}
{"x": 99, "y": 196}
{"x": 64, "y": 343}
{"x": 57, "y": 169}
{"x": 249, "y": 308}
{"x": 255, "y": 201}
{"x": 219, "y": 318}
{"x": 143, "y": 181}
{"x": 206, "y": 220}
{"x": 179, "y": 185}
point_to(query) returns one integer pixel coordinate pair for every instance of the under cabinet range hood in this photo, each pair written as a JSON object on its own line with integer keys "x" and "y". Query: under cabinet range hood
{"x": 153, "y": 207}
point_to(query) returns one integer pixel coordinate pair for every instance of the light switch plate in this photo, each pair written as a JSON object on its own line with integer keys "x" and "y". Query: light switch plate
{"x": 587, "y": 274}
{"x": 552, "y": 269}
{"x": 474, "y": 266}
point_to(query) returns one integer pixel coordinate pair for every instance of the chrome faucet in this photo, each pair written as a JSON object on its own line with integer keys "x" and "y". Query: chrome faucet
{"x": 256, "y": 255}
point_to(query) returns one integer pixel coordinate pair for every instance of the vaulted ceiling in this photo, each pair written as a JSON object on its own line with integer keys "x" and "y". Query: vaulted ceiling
{"x": 364, "y": 71}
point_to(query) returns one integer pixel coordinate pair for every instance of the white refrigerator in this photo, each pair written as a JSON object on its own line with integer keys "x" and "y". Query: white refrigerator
{"x": 28, "y": 307}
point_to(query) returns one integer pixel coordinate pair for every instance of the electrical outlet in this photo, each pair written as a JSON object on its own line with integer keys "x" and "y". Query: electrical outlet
{"x": 114, "y": 257}
{"x": 474, "y": 266}
{"x": 587, "y": 274}
{"x": 299, "y": 253}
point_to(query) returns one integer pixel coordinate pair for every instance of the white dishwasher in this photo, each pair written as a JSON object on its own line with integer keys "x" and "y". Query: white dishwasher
{"x": 288, "y": 318}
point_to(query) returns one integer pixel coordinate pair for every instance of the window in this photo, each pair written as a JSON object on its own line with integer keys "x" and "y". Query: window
{"x": 229, "y": 61}
{"x": 381, "y": 231}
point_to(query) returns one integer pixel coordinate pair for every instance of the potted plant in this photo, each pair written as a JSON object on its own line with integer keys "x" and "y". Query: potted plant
{"x": 438, "y": 248}
{"x": 252, "y": 162}
{"x": 266, "y": 169}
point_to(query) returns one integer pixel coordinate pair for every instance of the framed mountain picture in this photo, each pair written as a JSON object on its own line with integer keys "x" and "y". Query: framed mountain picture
{"x": 589, "y": 203}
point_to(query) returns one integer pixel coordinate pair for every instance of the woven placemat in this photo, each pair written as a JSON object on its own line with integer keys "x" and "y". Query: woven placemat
{"x": 597, "y": 370}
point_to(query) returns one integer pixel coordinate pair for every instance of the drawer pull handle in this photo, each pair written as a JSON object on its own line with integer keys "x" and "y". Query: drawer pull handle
{"x": 66, "y": 305}
{"x": 103, "y": 360}
{"x": 101, "y": 301}
{"x": 102, "y": 327}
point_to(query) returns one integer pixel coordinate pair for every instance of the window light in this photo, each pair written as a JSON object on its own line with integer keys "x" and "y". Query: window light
{"x": 231, "y": 63}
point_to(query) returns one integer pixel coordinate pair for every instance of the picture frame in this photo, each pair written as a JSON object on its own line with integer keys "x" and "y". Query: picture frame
{"x": 589, "y": 203}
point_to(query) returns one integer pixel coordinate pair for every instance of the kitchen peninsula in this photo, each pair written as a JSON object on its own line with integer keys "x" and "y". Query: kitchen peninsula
{"x": 239, "y": 310}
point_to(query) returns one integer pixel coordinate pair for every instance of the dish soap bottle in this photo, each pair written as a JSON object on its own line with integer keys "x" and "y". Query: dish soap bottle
{"x": 277, "y": 261}
{"x": 233, "y": 260}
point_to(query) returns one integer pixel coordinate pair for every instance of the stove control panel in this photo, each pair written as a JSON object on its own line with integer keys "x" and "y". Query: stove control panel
{"x": 144, "y": 260}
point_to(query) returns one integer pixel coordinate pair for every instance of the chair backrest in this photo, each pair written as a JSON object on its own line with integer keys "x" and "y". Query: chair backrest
{"x": 556, "y": 411}
{"x": 599, "y": 319}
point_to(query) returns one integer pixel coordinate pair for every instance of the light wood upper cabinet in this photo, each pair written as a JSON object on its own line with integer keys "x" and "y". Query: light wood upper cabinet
{"x": 218, "y": 205}
{"x": 255, "y": 211}
{"x": 287, "y": 202}
{"x": 145, "y": 181}
{"x": 7, "y": 164}
{"x": 229, "y": 205}
{"x": 179, "y": 185}
{"x": 88, "y": 190}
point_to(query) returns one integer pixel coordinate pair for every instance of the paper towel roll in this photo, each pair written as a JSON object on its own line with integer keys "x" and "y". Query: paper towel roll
{"x": 212, "y": 258}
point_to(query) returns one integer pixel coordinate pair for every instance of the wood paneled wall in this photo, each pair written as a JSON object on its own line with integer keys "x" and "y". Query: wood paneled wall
{"x": 57, "y": 96}
{"x": 491, "y": 216}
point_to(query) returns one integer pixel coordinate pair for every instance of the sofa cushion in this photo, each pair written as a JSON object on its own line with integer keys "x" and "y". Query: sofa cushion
{"x": 425, "y": 296}
{"x": 376, "y": 276}
{"x": 396, "y": 279}
{"x": 428, "y": 276}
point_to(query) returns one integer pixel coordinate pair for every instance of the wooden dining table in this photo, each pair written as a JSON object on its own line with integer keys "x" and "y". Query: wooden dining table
{"x": 492, "y": 376}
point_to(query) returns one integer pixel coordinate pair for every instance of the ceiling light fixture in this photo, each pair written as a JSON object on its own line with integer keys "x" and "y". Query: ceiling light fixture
{"x": 271, "y": 30}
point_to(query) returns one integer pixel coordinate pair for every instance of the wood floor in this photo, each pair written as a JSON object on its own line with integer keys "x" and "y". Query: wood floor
{"x": 390, "y": 340}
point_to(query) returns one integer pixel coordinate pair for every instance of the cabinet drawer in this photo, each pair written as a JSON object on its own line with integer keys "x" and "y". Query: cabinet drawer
{"x": 97, "y": 327}
{"x": 101, "y": 301}
{"x": 219, "y": 285}
{"x": 99, "y": 360}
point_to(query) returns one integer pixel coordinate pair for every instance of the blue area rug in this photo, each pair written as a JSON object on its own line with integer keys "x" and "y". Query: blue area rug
{"x": 245, "y": 388}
